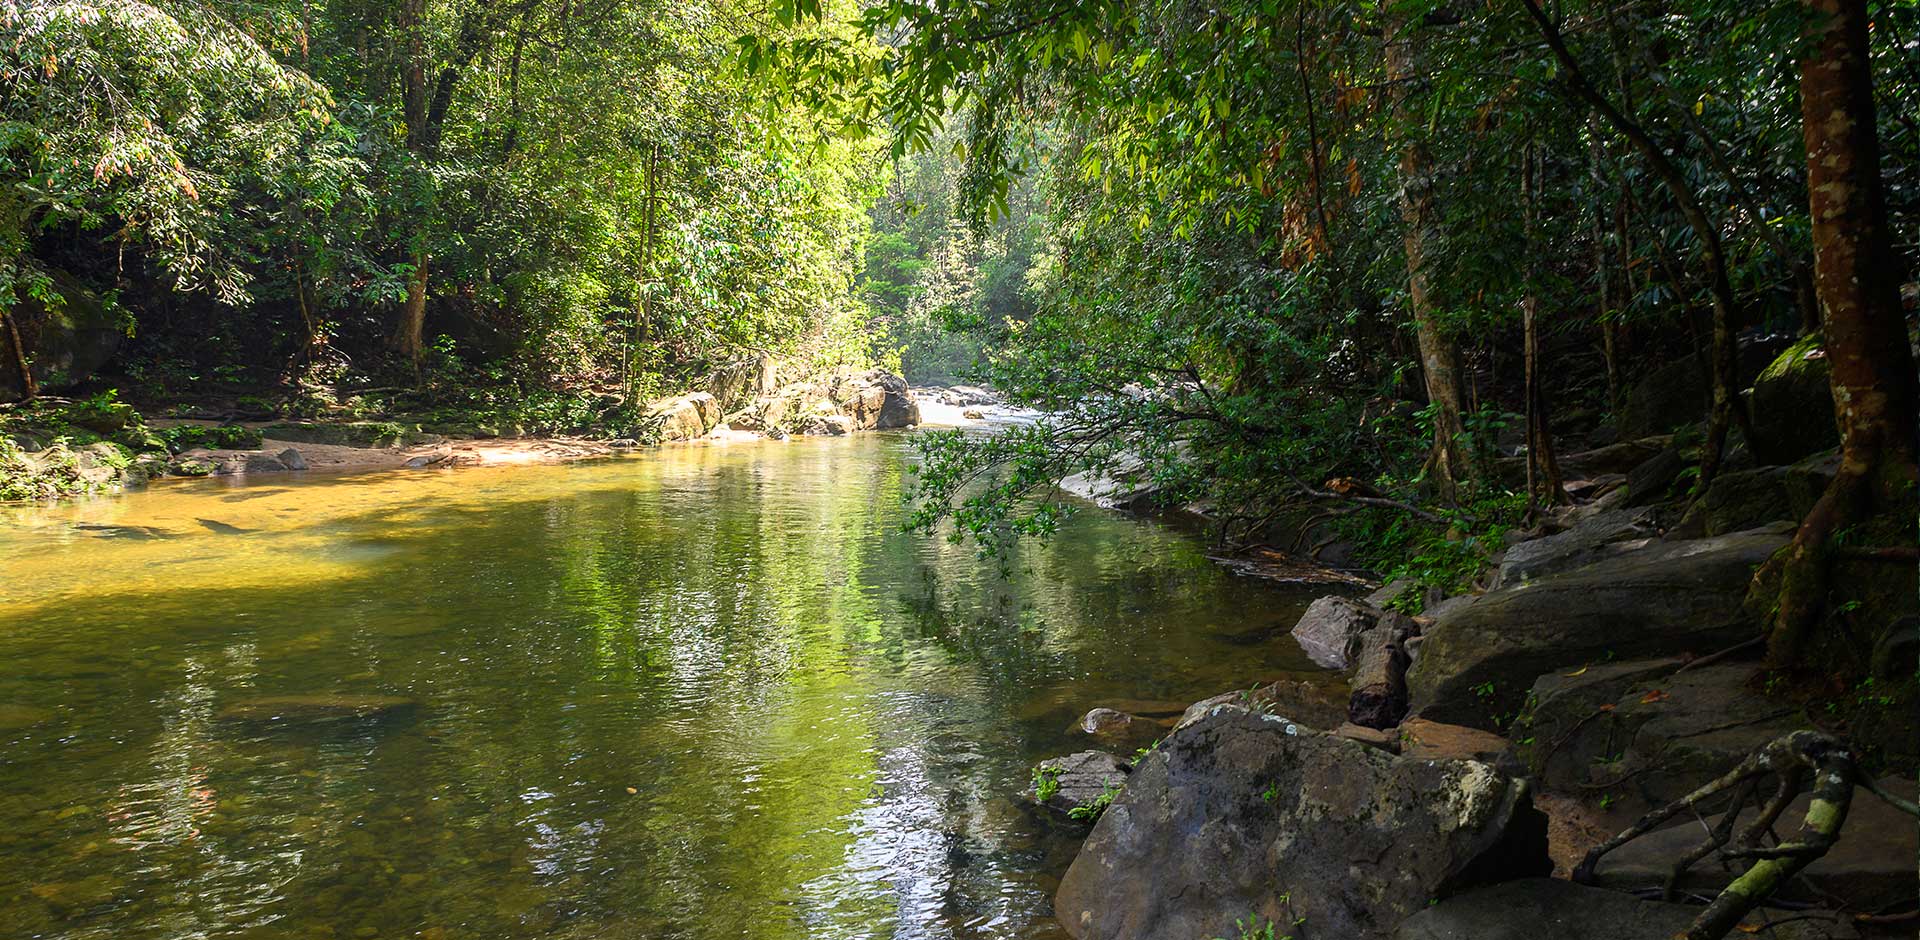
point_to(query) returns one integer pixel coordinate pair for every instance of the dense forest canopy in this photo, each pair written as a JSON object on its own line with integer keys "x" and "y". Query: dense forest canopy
{"x": 1374, "y": 258}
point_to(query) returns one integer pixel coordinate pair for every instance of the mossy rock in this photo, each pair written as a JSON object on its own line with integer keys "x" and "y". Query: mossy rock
{"x": 1792, "y": 405}
{"x": 182, "y": 438}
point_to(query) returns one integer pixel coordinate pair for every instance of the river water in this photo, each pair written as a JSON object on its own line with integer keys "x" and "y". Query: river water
{"x": 702, "y": 692}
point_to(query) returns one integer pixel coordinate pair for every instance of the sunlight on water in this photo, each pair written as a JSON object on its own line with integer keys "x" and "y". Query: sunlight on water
{"x": 703, "y": 692}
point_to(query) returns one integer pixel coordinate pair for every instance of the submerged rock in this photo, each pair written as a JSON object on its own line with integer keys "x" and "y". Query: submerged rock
{"x": 18, "y": 717}
{"x": 1533, "y": 908}
{"x": 1475, "y": 664}
{"x": 316, "y": 707}
{"x": 1241, "y": 813}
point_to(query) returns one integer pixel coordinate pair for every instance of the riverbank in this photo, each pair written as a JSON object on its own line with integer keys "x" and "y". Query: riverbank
{"x": 1466, "y": 775}
{"x": 55, "y": 448}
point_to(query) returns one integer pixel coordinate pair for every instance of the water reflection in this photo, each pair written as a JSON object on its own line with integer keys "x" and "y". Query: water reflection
{"x": 704, "y": 693}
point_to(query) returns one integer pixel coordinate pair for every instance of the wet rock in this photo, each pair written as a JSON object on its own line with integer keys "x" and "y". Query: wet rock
{"x": 1329, "y": 631}
{"x": 1066, "y": 783}
{"x": 1870, "y": 868}
{"x": 1106, "y": 722}
{"x": 1533, "y": 908}
{"x": 293, "y": 459}
{"x": 685, "y": 418}
{"x": 1317, "y": 704}
{"x": 261, "y": 463}
{"x": 1476, "y": 664}
{"x": 1371, "y": 737}
{"x": 317, "y": 707}
{"x": 70, "y": 898}
{"x": 973, "y": 414}
{"x": 1241, "y": 813}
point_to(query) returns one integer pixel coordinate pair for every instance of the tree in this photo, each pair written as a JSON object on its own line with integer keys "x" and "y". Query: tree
{"x": 1856, "y": 277}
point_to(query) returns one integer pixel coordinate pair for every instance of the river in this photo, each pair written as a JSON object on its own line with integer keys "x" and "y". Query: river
{"x": 700, "y": 692}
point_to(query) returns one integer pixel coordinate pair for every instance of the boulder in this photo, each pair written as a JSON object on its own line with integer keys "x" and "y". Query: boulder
{"x": 1476, "y": 663}
{"x": 1663, "y": 734}
{"x": 1064, "y": 784}
{"x": 1533, "y": 908}
{"x": 1792, "y": 405}
{"x": 1331, "y": 628}
{"x": 875, "y": 400}
{"x": 687, "y": 417}
{"x": 1106, "y": 722}
{"x": 1870, "y": 868}
{"x": 293, "y": 459}
{"x": 1318, "y": 704}
{"x": 1243, "y": 814}
{"x": 1619, "y": 457}
{"x": 1587, "y": 541}
{"x": 1747, "y": 498}
{"x": 827, "y": 425}
{"x": 260, "y": 463}
{"x": 1676, "y": 393}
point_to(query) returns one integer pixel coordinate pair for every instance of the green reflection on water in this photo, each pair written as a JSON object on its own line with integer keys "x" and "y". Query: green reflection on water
{"x": 706, "y": 692}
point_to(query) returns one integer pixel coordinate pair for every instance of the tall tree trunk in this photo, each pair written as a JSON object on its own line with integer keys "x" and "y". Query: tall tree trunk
{"x": 1857, "y": 279}
{"x": 1449, "y": 463}
{"x": 408, "y": 329}
{"x": 1544, "y": 486}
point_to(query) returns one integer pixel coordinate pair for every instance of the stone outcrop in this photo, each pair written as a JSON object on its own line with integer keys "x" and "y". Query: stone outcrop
{"x": 874, "y": 401}
{"x": 1587, "y": 541}
{"x": 1242, "y": 813}
{"x": 687, "y": 417}
{"x": 1476, "y": 663}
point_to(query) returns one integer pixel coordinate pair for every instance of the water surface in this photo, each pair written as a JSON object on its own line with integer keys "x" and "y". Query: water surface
{"x": 704, "y": 692}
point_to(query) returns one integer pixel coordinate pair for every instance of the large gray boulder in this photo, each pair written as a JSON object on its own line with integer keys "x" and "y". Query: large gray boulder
{"x": 1476, "y": 663}
{"x": 1643, "y": 735}
{"x": 1330, "y": 630}
{"x": 1243, "y": 813}
{"x": 1536, "y": 908}
{"x": 875, "y": 400}
{"x": 1747, "y": 498}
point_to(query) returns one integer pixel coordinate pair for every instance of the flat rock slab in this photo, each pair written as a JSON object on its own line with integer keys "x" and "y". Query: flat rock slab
{"x": 1475, "y": 664}
{"x": 1320, "y": 704}
{"x": 1648, "y": 736}
{"x": 1541, "y": 908}
{"x": 1242, "y": 813}
{"x": 316, "y": 707}
{"x": 1870, "y": 868}
{"x": 1420, "y": 739}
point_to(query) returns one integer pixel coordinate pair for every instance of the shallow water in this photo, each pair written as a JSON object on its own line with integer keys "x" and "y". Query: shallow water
{"x": 703, "y": 692}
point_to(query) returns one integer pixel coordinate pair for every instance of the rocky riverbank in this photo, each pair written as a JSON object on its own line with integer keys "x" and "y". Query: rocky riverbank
{"x": 56, "y": 447}
{"x": 1486, "y": 743}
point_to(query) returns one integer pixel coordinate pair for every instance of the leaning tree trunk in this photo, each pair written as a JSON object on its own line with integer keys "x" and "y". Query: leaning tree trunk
{"x": 1439, "y": 355}
{"x": 1544, "y": 485}
{"x": 1857, "y": 280}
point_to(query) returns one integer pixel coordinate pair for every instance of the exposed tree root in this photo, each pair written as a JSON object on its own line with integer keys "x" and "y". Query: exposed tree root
{"x": 1798, "y": 760}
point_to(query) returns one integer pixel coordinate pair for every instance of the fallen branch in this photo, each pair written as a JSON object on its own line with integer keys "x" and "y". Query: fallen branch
{"x": 1791, "y": 760}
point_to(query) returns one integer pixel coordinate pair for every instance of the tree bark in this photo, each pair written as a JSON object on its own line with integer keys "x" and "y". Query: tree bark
{"x": 1379, "y": 681}
{"x": 1856, "y": 277}
{"x": 1448, "y": 463}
